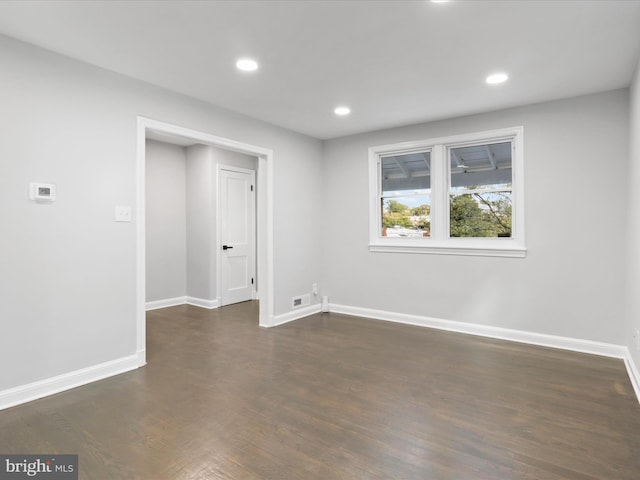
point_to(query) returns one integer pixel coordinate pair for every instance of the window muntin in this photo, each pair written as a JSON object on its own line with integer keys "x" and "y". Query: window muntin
{"x": 485, "y": 185}
{"x": 480, "y": 186}
{"x": 405, "y": 196}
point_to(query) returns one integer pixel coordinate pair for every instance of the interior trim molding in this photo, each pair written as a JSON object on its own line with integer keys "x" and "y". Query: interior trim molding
{"x": 142, "y": 357}
{"x": 172, "y": 302}
{"x": 50, "y": 386}
{"x": 541, "y": 339}
{"x": 296, "y": 314}
{"x": 167, "y": 302}
{"x": 201, "y": 302}
{"x": 634, "y": 374}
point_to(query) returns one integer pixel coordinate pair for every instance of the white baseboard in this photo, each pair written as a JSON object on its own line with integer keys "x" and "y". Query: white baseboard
{"x": 565, "y": 343}
{"x": 42, "y": 388}
{"x": 142, "y": 357}
{"x": 634, "y": 374}
{"x": 296, "y": 314}
{"x": 167, "y": 302}
{"x": 172, "y": 302}
{"x": 201, "y": 302}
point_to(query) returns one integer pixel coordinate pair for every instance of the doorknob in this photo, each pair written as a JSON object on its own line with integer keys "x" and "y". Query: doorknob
{"x": 226, "y": 247}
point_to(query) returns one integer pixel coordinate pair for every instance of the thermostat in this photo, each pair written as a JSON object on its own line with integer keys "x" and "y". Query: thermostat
{"x": 42, "y": 192}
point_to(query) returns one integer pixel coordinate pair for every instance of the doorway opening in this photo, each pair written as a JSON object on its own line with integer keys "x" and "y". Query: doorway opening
{"x": 236, "y": 233}
{"x": 263, "y": 224}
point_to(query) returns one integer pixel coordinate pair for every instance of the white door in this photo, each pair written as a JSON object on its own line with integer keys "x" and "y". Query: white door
{"x": 237, "y": 234}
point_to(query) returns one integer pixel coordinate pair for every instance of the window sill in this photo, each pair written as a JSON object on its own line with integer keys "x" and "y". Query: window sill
{"x": 499, "y": 248}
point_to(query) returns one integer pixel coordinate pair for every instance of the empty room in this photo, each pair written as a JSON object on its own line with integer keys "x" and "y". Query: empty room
{"x": 320, "y": 240}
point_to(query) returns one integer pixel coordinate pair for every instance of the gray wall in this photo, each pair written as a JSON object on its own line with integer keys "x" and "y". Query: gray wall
{"x": 68, "y": 270}
{"x": 166, "y": 238}
{"x": 201, "y": 279}
{"x": 234, "y": 159}
{"x": 569, "y": 285}
{"x": 633, "y": 252}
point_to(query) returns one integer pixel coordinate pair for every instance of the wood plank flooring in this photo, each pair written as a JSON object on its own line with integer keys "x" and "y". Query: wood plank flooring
{"x": 337, "y": 397}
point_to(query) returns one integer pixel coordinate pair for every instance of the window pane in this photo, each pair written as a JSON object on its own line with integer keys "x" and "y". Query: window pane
{"x": 406, "y": 195}
{"x": 406, "y": 216}
{"x": 480, "y": 215}
{"x": 410, "y": 171}
{"x": 477, "y": 167}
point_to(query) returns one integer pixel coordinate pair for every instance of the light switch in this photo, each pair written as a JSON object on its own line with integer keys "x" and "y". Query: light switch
{"x": 123, "y": 213}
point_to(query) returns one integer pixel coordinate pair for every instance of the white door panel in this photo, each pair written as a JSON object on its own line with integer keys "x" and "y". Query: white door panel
{"x": 237, "y": 234}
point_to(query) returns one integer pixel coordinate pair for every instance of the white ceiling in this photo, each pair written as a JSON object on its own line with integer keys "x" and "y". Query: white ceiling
{"x": 393, "y": 62}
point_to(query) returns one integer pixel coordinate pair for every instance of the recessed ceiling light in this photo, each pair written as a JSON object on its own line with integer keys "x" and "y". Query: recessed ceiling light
{"x": 439, "y": 1}
{"x": 496, "y": 78}
{"x": 247, "y": 65}
{"x": 342, "y": 111}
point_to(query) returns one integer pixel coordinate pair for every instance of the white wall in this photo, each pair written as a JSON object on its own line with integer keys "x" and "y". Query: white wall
{"x": 571, "y": 282}
{"x": 166, "y": 239}
{"x": 68, "y": 270}
{"x": 633, "y": 252}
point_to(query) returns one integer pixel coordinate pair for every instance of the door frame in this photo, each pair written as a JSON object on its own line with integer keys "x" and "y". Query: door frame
{"x": 230, "y": 168}
{"x": 264, "y": 219}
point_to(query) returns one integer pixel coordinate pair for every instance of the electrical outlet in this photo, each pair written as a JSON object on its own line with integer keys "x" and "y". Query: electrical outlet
{"x": 314, "y": 289}
{"x": 123, "y": 213}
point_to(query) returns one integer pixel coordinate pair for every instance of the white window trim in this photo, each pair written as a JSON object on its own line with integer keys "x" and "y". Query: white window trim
{"x": 440, "y": 242}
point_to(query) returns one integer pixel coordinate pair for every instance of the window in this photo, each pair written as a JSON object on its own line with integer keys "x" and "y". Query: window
{"x": 406, "y": 194}
{"x": 480, "y": 203}
{"x": 454, "y": 195}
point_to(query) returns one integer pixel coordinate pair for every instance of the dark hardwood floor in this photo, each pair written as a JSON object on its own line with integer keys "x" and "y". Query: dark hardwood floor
{"x": 336, "y": 397}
